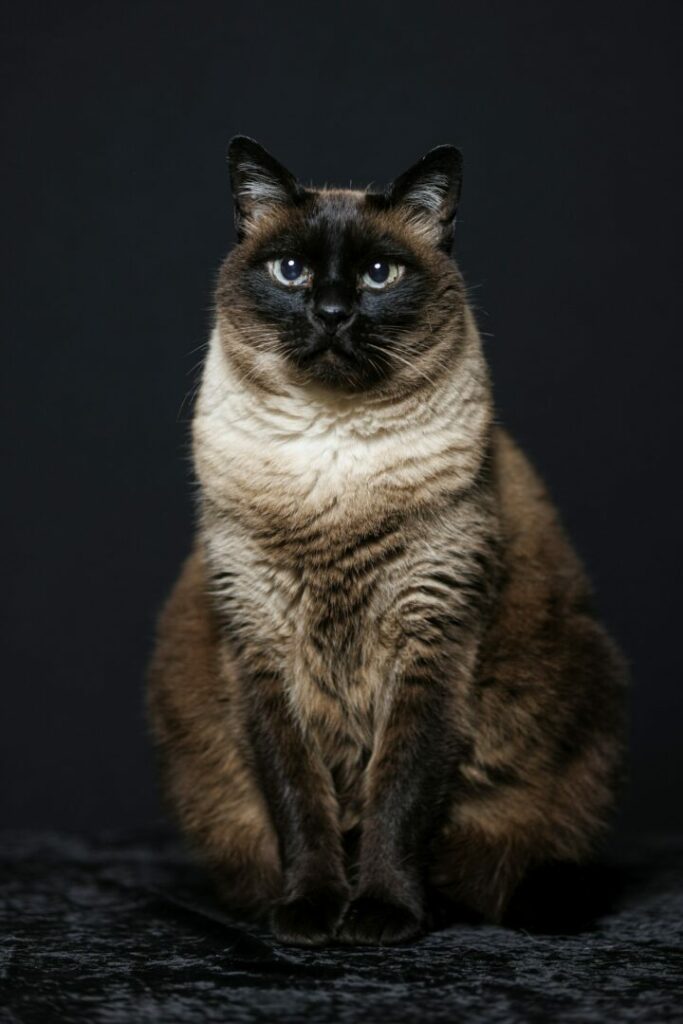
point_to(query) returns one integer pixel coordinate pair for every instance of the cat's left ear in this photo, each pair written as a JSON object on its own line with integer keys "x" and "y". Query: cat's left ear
{"x": 430, "y": 191}
{"x": 259, "y": 183}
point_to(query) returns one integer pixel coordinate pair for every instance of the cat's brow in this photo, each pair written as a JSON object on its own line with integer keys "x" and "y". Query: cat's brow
{"x": 328, "y": 238}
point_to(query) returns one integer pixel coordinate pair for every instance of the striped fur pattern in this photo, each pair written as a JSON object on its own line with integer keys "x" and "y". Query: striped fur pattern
{"x": 379, "y": 676}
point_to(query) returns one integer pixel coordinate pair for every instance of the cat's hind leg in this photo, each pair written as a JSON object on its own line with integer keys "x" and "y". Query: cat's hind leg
{"x": 492, "y": 837}
{"x": 195, "y": 713}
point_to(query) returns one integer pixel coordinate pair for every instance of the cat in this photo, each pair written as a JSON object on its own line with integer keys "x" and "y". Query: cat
{"x": 379, "y": 679}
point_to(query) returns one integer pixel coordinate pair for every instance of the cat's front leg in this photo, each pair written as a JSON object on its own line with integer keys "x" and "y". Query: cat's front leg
{"x": 304, "y": 808}
{"x": 406, "y": 781}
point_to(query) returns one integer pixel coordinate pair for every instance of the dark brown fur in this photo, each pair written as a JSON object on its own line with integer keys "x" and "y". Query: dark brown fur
{"x": 380, "y": 683}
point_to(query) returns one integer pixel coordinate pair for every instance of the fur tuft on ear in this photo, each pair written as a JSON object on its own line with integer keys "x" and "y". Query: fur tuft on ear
{"x": 430, "y": 191}
{"x": 259, "y": 183}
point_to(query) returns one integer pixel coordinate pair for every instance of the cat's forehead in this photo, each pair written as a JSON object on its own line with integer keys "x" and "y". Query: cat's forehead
{"x": 350, "y": 219}
{"x": 339, "y": 202}
{"x": 341, "y": 214}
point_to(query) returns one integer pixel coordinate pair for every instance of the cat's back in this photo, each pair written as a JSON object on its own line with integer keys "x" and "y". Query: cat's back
{"x": 533, "y": 539}
{"x": 545, "y": 603}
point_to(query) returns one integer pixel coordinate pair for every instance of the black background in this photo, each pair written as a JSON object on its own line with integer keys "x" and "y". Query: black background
{"x": 116, "y": 212}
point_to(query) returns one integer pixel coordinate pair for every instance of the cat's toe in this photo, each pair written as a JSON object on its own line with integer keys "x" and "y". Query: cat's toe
{"x": 372, "y": 920}
{"x": 310, "y": 919}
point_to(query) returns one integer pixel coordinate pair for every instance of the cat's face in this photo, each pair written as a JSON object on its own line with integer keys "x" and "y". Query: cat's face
{"x": 347, "y": 290}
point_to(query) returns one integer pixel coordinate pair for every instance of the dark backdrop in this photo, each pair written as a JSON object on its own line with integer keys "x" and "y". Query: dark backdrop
{"x": 116, "y": 212}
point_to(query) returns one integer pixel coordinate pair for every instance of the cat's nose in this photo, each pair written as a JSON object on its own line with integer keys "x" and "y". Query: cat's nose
{"x": 333, "y": 309}
{"x": 332, "y": 316}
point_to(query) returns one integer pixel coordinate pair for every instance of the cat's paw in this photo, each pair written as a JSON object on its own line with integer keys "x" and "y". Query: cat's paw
{"x": 376, "y": 921}
{"x": 310, "y": 919}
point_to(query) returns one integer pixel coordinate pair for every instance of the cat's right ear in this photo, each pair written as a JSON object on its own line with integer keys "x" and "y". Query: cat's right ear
{"x": 259, "y": 183}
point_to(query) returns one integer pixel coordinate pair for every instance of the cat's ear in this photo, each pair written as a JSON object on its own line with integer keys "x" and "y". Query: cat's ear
{"x": 429, "y": 191}
{"x": 259, "y": 183}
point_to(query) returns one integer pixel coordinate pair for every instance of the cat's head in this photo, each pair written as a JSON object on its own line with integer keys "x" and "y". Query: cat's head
{"x": 348, "y": 290}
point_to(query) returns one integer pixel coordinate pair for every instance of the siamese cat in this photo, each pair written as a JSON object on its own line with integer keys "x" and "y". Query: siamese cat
{"x": 379, "y": 677}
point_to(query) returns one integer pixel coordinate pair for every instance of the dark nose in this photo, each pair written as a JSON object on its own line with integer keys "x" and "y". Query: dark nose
{"x": 332, "y": 308}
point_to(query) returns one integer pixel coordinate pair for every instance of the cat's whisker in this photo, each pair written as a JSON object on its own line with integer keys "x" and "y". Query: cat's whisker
{"x": 393, "y": 354}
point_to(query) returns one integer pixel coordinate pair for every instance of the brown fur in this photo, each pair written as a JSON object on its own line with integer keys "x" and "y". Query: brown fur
{"x": 349, "y": 626}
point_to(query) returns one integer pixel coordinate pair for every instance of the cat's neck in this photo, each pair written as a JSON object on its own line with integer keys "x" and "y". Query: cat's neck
{"x": 306, "y": 441}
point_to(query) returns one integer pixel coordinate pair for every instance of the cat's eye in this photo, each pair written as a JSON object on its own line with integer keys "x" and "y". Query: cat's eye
{"x": 381, "y": 273}
{"x": 290, "y": 271}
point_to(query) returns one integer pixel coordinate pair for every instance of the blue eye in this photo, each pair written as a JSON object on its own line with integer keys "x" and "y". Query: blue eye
{"x": 381, "y": 273}
{"x": 289, "y": 270}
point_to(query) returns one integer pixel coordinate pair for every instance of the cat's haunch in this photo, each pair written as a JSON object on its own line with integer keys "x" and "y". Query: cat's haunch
{"x": 379, "y": 677}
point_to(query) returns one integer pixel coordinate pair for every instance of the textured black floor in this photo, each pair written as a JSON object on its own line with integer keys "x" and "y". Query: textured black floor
{"x": 124, "y": 930}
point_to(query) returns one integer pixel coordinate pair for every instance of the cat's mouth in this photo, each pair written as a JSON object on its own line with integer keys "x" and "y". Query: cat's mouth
{"x": 340, "y": 361}
{"x": 339, "y": 344}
